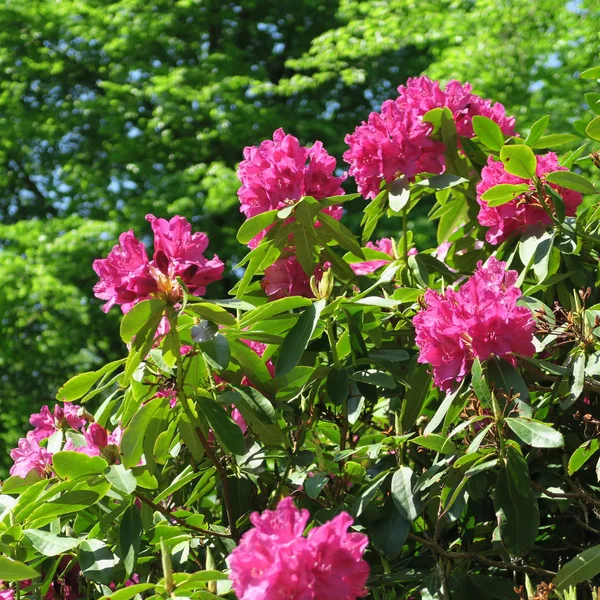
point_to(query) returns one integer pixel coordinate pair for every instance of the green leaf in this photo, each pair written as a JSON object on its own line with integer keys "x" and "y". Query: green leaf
{"x": 216, "y": 352}
{"x": 204, "y": 331}
{"x": 577, "y": 380}
{"x": 593, "y": 128}
{"x": 407, "y": 503}
{"x": 132, "y": 443}
{"x": 211, "y": 312}
{"x": 271, "y": 309}
{"x": 488, "y": 132}
{"x": 139, "y": 316}
{"x": 503, "y": 193}
{"x": 122, "y": 479}
{"x": 389, "y": 533}
{"x": 582, "y": 455}
{"x": 553, "y": 140}
{"x": 583, "y": 567}
{"x": 508, "y": 380}
{"x": 313, "y": 485}
{"x": 534, "y": 433}
{"x": 591, "y": 73}
{"x": 130, "y": 538}
{"x": 337, "y": 385}
{"x": 378, "y": 378}
{"x": 79, "y": 385}
{"x": 435, "y": 442}
{"x": 13, "y": 570}
{"x": 297, "y": 339}
{"x": 519, "y": 161}
{"x": 419, "y": 382}
{"x": 70, "y": 465}
{"x": 341, "y": 234}
{"x": 399, "y": 194}
{"x": 252, "y": 364}
{"x": 254, "y": 225}
{"x": 48, "y": 544}
{"x": 515, "y": 505}
{"x": 258, "y": 412}
{"x": 571, "y": 181}
{"x": 537, "y": 130}
{"x": 480, "y": 386}
{"x": 129, "y": 592}
{"x": 227, "y": 432}
{"x": 96, "y": 561}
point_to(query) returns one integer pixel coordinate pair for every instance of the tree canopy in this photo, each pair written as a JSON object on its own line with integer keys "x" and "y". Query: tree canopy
{"x": 111, "y": 110}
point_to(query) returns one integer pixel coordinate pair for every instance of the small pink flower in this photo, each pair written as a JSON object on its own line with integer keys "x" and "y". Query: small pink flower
{"x": 28, "y": 456}
{"x": 285, "y": 277}
{"x": 180, "y": 253}
{"x": 274, "y": 561}
{"x": 277, "y": 173}
{"x": 46, "y": 423}
{"x": 525, "y": 210}
{"x": 421, "y": 94}
{"x": 384, "y": 245}
{"x": 391, "y": 143}
{"x": 7, "y": 594}
{"x": 124, "y": 275}
{"x": 127, "y": 276}
{"x": 481, "y": 319}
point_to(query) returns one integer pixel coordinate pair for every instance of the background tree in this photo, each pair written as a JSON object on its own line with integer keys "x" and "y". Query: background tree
{"x": 110, "y": 110}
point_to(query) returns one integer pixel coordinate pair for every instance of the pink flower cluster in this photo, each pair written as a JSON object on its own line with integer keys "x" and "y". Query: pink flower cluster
{"x": 277, "y": 173}
{"x": 31, "y": 455}
{"x": 391, "y": 143}
{"x": 396, "y": 141}
{"x": 481, "y": 319}
{"x": 274, "y": 561}
{"x": 525, "y": 210}
{"x": 127, "y": 276}
{"x": 421, "y": 94}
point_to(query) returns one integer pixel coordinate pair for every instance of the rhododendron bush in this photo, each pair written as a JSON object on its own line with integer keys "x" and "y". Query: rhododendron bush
{"x": 362, "y": 417}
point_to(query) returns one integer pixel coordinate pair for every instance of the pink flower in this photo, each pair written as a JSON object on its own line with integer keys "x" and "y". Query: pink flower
{"x": 29, "y": 455}
{"x": 421, "y": 94}
{"x": 391, "y": 143}
{"x": 276, "y": 174}
{"x": 339, "y": 570}
{"x": 127, "y": 276}
{"x": 124, "y": 275}
{"x": 179, "y": 253}
{"x": 285, "y": 277}
{"x": 481, "y": 320}
{"x": 525, "y": 210}
{"x": 46, "y": 423}
{"x": 385, "y": 246}
{"x": 7, "y": 594}
{"x": 274, "y": 561}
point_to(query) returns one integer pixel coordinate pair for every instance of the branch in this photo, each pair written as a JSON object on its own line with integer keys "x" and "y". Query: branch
{"x": 435, "y": 547}
{"x": 169, "y": 515}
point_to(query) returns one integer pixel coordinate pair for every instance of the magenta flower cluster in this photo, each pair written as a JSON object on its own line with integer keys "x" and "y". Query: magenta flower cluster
{"x": 90, "y": 438}
{"x": 280, "y": 172}
{"x": 127, "y": 276}
{"x": 525, "y": 210}
{"x": 397, "y": 142}
{"x": 481, "y": 320}
{"x": 274, "y": 561}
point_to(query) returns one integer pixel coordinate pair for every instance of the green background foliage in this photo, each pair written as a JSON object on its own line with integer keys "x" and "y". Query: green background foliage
{"x": 111, "y": 110}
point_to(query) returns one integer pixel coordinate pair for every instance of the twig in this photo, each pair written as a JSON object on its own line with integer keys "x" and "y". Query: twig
{"x": 222, "y": 472}
{"x": 168, "y": 514}
{"x": 435, "y": 547}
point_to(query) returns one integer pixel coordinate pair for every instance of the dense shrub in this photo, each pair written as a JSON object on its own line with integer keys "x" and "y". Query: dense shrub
{"x": 359, "y": 418}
